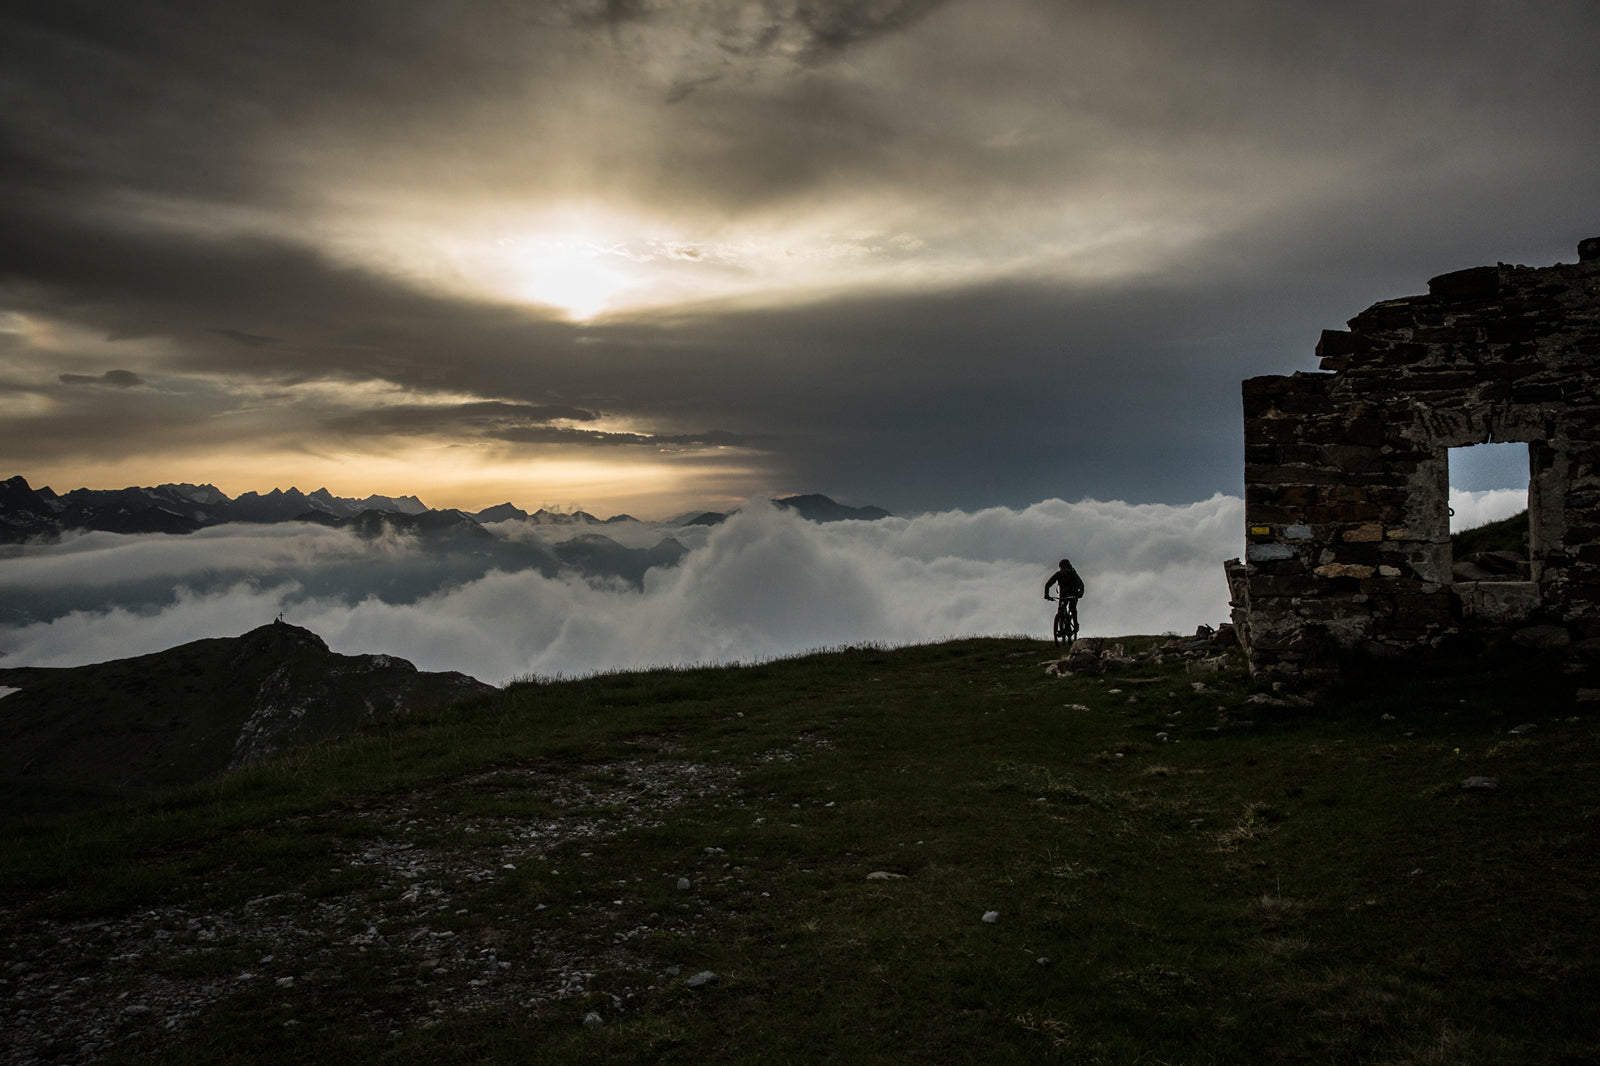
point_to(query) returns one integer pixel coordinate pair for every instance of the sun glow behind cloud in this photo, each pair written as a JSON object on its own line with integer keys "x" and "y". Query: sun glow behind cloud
{"x": 589, "y": 262}
{"x": 585, "y": 262}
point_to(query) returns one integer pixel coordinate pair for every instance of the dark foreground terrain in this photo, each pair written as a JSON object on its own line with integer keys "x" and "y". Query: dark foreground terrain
{"x": 935, "y": 854}
{"x": 86, "y": 736}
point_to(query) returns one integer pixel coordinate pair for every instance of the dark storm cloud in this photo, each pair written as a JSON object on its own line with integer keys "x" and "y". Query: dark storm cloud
{"x": 242, "y": 103}
{"x": 1000, "y": 395}
{"x": 819, "y": 24}
{"x": 327, "y": 320}
{"x": 174, "y": 95}
{"x": 563, "y": 435}
{"x": 189, "y": 181}
{"x": 135, "y": 280}
{"x": 802, "y": 30}
{"x": 184, "y": 98}
{"x": 117, "y": 379}
{"x": 488, "y": 415}
{"x": 249, "y": 340}
{"x": 513, "y": 423}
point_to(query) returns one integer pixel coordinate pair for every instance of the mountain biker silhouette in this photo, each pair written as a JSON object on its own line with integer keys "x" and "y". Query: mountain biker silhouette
{"x": 1067, "y": 582}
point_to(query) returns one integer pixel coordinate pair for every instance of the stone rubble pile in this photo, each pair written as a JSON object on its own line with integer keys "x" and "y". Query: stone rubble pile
{"x": 1206, "y": 652}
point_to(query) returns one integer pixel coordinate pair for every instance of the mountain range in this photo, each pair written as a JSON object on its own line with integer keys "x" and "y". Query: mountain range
{"x": 29, "y": 514}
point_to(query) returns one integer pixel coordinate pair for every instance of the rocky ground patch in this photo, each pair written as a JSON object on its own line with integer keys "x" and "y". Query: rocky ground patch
{"x": 434, "y": 920}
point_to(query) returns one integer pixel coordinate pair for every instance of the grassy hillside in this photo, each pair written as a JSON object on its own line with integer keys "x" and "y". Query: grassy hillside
{"x": 80, "y": 737}
{"x": 1176, "y": 875}
{"x": 1505, "y": 535}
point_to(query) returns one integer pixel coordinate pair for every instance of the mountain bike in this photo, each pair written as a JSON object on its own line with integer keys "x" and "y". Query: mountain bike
{"x": 1066, "y": 625}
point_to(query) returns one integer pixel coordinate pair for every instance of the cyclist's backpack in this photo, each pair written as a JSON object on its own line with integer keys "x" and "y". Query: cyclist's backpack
{"x": 1077, "y": 586}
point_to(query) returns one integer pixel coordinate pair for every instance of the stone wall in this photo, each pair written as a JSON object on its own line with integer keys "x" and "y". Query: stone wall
{"x": 1347, "y": 482}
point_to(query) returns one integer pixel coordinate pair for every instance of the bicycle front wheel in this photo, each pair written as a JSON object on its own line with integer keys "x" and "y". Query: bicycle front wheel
{"x": 1066, "y": 626}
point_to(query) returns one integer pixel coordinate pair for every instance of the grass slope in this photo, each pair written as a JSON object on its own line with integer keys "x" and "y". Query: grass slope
{"x": 1505, "y": 535}
{"x": 1179, "y": 876}
{"x": 79, "y": 737}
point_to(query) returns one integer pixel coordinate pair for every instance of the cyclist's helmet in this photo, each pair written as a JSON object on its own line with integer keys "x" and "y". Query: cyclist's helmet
{"x": 1066, "y": 564}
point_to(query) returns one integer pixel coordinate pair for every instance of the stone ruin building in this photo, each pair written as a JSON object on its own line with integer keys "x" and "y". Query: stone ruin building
{"x": 1347, "y": 517}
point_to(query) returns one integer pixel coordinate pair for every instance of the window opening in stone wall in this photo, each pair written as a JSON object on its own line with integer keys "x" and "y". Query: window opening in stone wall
{"x": 1489, "y": 512}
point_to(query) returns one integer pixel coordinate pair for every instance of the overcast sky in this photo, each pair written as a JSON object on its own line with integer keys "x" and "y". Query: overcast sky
{"x": 641, "y": 255}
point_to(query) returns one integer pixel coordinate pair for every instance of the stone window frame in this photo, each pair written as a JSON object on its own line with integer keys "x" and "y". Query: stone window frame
{"x": 1446, "y": 428}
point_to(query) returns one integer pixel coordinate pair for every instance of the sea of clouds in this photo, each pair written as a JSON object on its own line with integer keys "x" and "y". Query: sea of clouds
{"x": 762, "y": 585}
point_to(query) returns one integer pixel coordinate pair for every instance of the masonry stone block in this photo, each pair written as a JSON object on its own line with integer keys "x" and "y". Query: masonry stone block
{"x": 1500, "y": 602}
{"x": 1338, "y": 570}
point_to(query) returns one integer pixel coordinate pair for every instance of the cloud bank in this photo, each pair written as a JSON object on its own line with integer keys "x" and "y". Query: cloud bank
{"x": 764, "y": 584}
{"x": 1469, "y": 510}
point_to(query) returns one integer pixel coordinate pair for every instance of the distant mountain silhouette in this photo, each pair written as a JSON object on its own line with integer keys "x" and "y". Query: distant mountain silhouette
{"x": 428, "y": 524}
{"x": 500, "y": 512}
{"x": 818, "y": 508}
{"x": 290, "y": 506}
{"x": 135, "y": 726}
{"x": 27, "y": 514}
{"x": 592, "y": 553}
{"x": 543, "y": 517}
{"x": 813, "y": 508}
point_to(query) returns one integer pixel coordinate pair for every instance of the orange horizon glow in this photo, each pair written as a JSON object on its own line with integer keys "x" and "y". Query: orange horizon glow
{"x": 643, "y": 489}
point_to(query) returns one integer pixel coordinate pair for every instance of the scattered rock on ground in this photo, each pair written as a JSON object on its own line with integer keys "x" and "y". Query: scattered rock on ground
{"x": 1206, "y": 652}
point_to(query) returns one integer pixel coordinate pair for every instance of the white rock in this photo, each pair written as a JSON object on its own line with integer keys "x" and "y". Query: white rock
{"x": 991, "y": 916}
